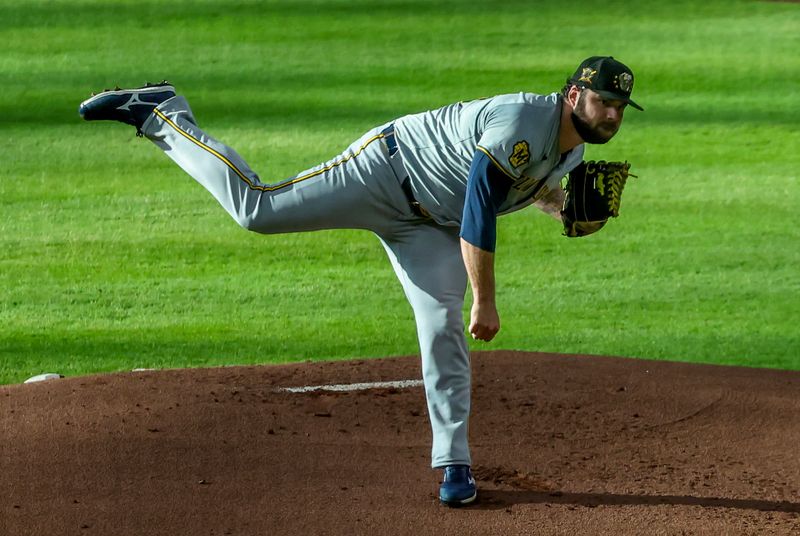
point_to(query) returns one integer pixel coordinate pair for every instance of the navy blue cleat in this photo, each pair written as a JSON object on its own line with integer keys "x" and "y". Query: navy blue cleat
{"x": 131, "y": 106}
{"x": 458, "y": 488}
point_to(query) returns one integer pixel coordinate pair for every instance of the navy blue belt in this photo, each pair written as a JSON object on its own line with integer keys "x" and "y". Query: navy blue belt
{"x": 391, "y": 145}
{"x": 390, "y": 140}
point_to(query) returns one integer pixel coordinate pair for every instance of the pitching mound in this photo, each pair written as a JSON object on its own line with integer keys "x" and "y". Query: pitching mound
{"x": 561, "y": 445}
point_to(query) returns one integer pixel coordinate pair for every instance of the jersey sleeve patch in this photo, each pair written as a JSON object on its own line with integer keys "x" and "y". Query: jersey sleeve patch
{"x": 520, "y": 155}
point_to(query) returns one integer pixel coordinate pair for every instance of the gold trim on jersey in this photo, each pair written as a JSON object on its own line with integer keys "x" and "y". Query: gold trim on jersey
{"x": 498, "y": 164}
{"x": 245, "y": 178}
{"x": 519, "y": 183}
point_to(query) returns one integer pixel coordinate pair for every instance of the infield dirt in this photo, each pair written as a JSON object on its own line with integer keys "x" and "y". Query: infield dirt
{"x": 562, "y": 444}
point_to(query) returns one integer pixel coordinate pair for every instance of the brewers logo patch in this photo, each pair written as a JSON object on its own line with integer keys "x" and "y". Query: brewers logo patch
{"x": 521, "y": 154}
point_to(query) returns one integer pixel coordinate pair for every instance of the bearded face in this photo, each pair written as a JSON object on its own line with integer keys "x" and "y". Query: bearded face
{"x": 592, "y": 120}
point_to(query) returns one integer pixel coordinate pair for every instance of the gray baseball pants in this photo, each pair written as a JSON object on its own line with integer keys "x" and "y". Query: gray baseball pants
{"x": 359, "y": 189}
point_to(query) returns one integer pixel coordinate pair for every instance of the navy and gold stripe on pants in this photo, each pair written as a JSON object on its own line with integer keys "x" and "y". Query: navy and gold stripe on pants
{"x": 265, "y": 187}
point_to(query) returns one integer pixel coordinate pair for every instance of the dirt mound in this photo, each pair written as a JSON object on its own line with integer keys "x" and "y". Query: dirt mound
{"x": 561, "y": 445}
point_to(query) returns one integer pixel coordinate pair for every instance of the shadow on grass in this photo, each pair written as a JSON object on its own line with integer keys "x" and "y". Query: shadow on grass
{"x": 353, "y": 99}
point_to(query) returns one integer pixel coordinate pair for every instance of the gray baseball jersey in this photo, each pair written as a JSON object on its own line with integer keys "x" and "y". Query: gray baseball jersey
{"x": 519, "y": 132}
{"x": 362, "y": 188}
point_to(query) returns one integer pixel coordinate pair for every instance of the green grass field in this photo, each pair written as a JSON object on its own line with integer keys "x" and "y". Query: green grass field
{"x": 113, "y": 259}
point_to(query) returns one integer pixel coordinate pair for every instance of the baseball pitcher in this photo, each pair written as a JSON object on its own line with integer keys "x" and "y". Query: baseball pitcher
{"x": 430, "y": 186}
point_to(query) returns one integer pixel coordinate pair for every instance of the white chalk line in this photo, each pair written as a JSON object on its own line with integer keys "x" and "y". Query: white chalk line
{"x": 400, "y": 384}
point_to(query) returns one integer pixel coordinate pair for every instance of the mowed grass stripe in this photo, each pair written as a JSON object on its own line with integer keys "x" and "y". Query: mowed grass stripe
{"x": 114, "y": 259}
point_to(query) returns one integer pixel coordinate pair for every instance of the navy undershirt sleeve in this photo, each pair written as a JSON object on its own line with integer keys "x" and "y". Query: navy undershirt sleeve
{"x": 487, "y": 188}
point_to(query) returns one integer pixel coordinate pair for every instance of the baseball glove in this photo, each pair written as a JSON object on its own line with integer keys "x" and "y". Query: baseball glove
{"x": 592, "y": 195}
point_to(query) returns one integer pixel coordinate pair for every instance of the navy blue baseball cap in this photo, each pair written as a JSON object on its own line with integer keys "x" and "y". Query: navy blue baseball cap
{"x": 607, "y": 77}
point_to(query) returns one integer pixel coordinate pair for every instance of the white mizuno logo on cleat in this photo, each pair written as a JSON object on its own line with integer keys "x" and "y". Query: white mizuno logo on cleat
{"x": 133, "y": 100}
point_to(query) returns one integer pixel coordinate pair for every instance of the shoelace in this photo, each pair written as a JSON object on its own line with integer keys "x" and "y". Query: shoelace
{"x": 610, "y": 181}
{"x": 145, "y": 86}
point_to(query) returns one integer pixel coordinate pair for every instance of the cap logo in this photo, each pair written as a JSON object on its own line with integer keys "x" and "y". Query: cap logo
{"x": 521, "y": 154}
{"x": 626, "y": 82}
{"x": 587, "y": 74}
